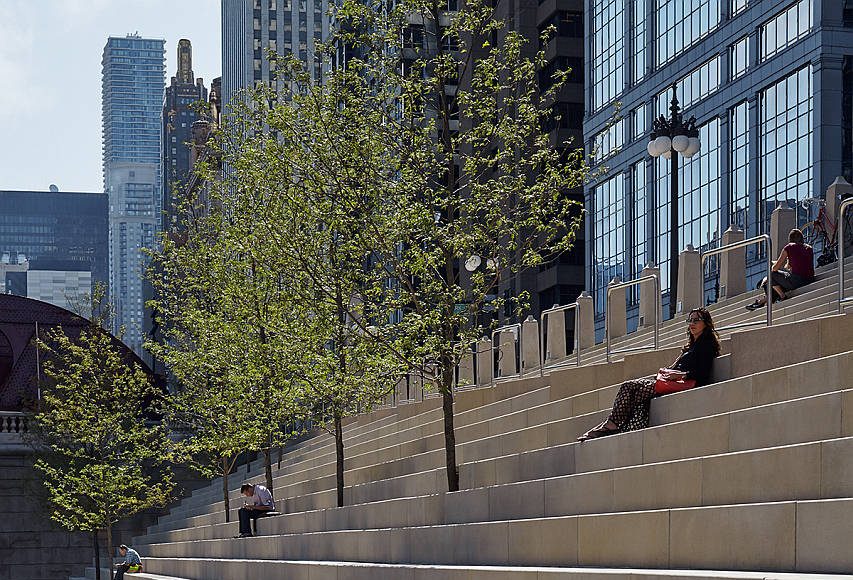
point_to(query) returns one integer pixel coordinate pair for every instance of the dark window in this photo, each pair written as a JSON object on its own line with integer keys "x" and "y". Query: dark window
{"x": 561, "y": 63}
{"x": 569, "y": 23}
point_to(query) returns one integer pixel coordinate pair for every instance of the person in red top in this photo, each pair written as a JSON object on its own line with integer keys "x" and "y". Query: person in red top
{"x": 799, "y": 258}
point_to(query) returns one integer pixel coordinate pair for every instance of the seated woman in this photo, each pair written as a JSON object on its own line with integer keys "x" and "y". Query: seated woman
{"x": 631, "y": 408}
{"x": 800, "y": 261}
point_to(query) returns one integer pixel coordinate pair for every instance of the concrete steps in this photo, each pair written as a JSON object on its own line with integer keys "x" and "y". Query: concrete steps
{"x": 793, "y": 536}
{"x": 751, "y": 473}
{"x": 730, "y": 443}
{"x": 794, "y": 308}
{"x": 551, "y": 423}
{"x": 240, "y": 569}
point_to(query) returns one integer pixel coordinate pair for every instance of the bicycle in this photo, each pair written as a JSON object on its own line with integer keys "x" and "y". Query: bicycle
{"x": 821, "y": 233}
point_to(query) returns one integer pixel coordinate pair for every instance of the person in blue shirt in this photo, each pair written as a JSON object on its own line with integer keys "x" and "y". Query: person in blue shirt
{"x": 132, "y": 562}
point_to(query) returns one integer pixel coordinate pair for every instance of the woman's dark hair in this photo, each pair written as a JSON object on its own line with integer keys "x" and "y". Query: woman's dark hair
{"x": 796, "y": 237}
{"x": 710, "y": 333}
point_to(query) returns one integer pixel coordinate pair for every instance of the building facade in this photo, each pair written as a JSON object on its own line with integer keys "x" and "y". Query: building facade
{"x": 64, "y": 233}
{"x": 184, "y": 98}
{"x": 251, "y": 28}
{"x": 133, "y": 82}
{"x": 770, "y": 86}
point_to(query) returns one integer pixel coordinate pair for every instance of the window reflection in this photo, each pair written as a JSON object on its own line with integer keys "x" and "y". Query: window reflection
{"x": 680, "y": 23}
{"x": 639, "y": 253}
{"x": 639, "y": 28}
{"x": 786, "y": 28}
{"x": 608, "y": 48}
{"x": 740, "y": 57}
{"x": 699, "y": 197}
{"x": 785, "y": 132}
{"x": 609, "y": 245}
{"x": 692, "y": 88}
{"x": 739, "y": 175}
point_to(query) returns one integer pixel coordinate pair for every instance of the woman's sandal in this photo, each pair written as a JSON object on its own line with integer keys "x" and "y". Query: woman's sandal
{"x": 600, "y": 430}
{"x": 755, "y": 305}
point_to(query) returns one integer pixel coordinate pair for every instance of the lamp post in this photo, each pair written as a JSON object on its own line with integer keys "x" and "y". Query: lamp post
{"x": 670, "y": 138}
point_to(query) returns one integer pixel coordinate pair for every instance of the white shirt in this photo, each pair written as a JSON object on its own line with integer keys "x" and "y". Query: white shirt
{"x": 262, "y": 496}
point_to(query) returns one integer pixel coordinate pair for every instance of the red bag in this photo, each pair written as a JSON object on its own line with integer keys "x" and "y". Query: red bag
{"x": 672, "y": 381}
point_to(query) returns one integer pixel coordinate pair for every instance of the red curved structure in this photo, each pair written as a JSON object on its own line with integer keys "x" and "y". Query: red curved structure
{"x": 19, "y": 373}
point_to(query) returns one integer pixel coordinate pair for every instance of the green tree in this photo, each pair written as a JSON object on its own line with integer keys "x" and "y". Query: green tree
{"x": 228, "y": 338}
{"x": 102, "y": 454}
{"x": 429, "y": 146}
{"x": 306, "y": 282}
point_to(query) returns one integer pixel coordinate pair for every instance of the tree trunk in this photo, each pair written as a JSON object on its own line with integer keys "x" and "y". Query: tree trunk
{"x": 339, "y": 457}
{"x": 110, "y": 548}
{"x": 268, "y": 468}
{"x": 97, "y": 549}
{"x": 225, "y": 471}
{"x": 449, "y": 440}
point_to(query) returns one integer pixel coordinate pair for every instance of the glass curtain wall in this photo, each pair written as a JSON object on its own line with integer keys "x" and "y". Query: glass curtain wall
{"x": 609, "y": 239}
{"x": 680, "y": 23}
{"x": 608, "y": 50}
{"x": 699, "y": 197}
{"x": 739, "y": 163}
{"x": 785, "y": 135}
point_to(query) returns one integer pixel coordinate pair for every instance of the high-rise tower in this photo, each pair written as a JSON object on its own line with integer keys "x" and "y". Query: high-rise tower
{"x": 133, "y": 80}
{"x": 179, "y": 113}
{"x": 252, "y": 27}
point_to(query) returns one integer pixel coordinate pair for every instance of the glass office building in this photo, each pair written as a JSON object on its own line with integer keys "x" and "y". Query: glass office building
{"x": 133, "y": 83}
{"x": 50, "y": 227}
{"x": 770, "y": 83}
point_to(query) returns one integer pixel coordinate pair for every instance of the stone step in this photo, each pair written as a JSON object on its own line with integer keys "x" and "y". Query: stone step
{"x": 523, "y": 430}
{"x": 792, "y": 536}
{"x": 232, "y": 569}
{"x": 733, "y": 304}
{"x": 148, "y": 576}
{"x": 773, "y": 425}
{"x": 214, "y": 492}
{"x": 815, "y": 470}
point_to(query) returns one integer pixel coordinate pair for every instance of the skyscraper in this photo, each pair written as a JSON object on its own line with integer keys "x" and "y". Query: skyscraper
{"x": 252, "y": 27}
{"x": 133, "y": 82}
{"x": 179, "y": 114}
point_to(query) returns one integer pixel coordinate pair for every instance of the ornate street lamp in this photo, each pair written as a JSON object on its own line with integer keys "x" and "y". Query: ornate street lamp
{"x": 670, "y": 138}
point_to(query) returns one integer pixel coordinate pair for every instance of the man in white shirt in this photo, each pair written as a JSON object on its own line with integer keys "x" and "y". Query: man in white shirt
{"x": 259, "y": 504}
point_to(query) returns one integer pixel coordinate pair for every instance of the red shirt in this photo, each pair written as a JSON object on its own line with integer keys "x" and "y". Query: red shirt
{"x": 800, "y": 260}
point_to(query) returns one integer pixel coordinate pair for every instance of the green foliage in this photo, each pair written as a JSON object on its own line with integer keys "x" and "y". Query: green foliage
{"x": 101, "y": 457}
{"x": 349, "y": 207}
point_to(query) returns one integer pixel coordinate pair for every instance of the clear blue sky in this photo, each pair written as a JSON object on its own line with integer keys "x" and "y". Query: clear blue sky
{"x": 50, "y": 79}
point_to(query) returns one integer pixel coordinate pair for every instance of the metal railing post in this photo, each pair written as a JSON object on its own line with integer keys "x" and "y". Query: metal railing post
{"x": 542, "y": 336}
{"x": 765, "y": 239}
{"x": 501, "y": 330}
{"x": 841, "y": 242}
{"x": 659, "y": 313}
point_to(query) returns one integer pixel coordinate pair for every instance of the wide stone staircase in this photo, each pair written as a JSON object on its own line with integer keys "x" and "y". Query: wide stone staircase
{"x": 749, "y": 477}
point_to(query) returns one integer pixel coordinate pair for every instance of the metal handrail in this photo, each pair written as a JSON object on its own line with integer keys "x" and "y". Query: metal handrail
{"x": 658, "y": 312}
{"x": 763, "y": 238}
{"x": 841, "y": 242}
{"x": 577, "y": 345}
{"x": 494, "y": 345}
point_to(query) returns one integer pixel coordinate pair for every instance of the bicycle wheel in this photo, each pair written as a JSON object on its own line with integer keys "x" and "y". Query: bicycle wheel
{"x": 812, "y": 235}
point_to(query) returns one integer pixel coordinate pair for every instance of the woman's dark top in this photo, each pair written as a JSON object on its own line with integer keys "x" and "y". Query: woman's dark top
{"x": 698, "y": 360}
{"x": 801, "y": 260}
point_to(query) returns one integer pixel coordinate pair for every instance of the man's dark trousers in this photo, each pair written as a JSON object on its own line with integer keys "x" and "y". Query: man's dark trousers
{"x": 247, "y": 517}
{"x": 120, "y": 570}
